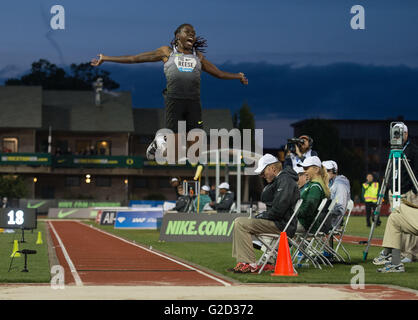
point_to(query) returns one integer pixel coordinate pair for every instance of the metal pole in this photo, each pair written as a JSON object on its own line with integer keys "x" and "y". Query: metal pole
{"x": 217, "y": 175}
{"x": 207, "y": 175}
{"x": 238, "y": 182}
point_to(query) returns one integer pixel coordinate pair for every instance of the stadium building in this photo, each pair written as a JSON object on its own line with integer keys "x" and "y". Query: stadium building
{"x": 84, "y": 145}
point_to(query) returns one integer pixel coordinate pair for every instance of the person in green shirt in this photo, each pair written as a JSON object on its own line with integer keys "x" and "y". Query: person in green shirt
{"x": 315, "y": 190}
{"x": 204, "y": 198}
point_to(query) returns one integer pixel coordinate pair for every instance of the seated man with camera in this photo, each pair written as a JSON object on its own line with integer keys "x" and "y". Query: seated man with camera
{"x": 297, "y": 149}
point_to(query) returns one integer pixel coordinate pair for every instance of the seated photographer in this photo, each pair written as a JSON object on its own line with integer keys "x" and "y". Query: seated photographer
{"x": 226, "y": 198}
{"x": 316, "y": 190}
{"x": 182, "y": 202}
{"x": 403, "y": 220}
{"x": 297, "y": 149}
{"x": 280, "y": 196}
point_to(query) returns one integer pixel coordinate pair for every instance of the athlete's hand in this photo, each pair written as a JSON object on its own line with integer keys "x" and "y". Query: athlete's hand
{"x": 97, "y": 62}
{"x": 243, "y": 79}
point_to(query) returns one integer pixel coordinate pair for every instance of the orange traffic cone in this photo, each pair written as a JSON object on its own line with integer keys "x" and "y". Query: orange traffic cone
{"x": 284, "y": 265}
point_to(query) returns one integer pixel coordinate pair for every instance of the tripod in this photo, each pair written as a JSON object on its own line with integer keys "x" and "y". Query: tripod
{"x": 397, "y": 157}
{"x": 192, "y": 190}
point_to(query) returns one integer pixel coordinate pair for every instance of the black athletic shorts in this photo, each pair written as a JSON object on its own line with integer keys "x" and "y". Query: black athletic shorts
{"x": 183, "y": 110}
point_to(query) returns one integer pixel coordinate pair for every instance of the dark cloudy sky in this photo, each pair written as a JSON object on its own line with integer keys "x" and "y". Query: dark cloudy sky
{"x": 302, "y": 58}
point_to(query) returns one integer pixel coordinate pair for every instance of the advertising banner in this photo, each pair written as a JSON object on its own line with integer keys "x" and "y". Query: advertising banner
{"x": 149, "y": 218}
{"x": 41, "y": 205}
{"x": 71, "y": 213}
{"x": 198, "y": 227}
{"x": 29, "y": 159}
{"x": 98, "y": 162}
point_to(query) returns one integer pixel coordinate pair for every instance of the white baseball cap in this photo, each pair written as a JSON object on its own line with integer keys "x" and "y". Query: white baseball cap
{"x": 174, "y": 179}
{"x": 298, "y": 169}
{"x": 264, "y": 161}
{"x": 205, "y": 188}
{"x": 224, "y": 185}
{"x": 310, "y": 161}
{"x": 330, "y": 164}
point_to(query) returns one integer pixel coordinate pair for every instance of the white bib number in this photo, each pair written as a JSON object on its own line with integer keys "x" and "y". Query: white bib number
{"x": 185, "y": 64}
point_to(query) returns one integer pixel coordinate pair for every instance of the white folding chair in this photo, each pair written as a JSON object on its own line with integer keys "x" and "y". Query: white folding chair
{"x": 324, "y": 245}
{"x": 270, "y": 241}
{"x": 339, "y": 233}
{"x": 304, "y": 243}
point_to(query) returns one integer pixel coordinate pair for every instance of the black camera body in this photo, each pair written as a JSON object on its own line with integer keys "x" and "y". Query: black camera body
{"x": 292, "y": 143}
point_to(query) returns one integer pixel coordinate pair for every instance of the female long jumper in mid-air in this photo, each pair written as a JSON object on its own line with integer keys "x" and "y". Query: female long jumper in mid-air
{"x": 183, "y": 62}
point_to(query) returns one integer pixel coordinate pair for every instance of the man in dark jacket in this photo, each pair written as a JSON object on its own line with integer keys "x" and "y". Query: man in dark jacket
{"x": 226, "y": 198}
{"x": 280, "y": 197}
{"x": 182, "y": 201}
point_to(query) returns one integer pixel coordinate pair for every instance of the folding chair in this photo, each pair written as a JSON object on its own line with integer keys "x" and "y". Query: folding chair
{"x": 304, "y": 243}
{"x": 323, "y": 236}
{"x": 271, "y": 241}
{"x": 339, "y": 232}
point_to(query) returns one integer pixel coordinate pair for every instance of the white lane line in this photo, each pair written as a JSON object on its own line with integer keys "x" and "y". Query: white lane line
{"x": 226, "y": 284}
{"x": 74, "y": 273}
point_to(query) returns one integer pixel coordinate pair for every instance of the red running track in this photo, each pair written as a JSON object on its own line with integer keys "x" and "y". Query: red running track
{"x": 93, "y": 257}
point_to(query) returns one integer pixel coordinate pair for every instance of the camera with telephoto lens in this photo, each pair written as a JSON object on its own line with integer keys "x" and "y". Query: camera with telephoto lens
{"x": 292, "y": 143}
{"x": 396, "y": 134}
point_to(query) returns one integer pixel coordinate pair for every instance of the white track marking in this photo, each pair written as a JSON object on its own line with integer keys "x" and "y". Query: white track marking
{"x": 76, "y": 277}
{"x": 226, "y": 284}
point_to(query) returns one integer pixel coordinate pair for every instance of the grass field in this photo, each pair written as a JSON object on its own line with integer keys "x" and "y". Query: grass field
{"x": 213, "y": 256}
{"x": 38, "y": 264}
{"x": 217, "y": 257}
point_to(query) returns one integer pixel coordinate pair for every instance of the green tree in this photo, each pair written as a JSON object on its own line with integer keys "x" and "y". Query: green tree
{"x": 50, "y": 77}
{"x": 246, "y": 121}
{"x": 13, "y": 187}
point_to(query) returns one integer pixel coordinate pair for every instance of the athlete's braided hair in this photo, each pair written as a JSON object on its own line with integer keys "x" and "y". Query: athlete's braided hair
{"x": 198, "y": 45}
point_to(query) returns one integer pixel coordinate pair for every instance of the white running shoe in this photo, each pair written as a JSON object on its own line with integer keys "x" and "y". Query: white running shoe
{"x": 382, "y": 259}
{"x": 406, "y": 260}
{"x": 392, "y": 268}
{"x": 156, "y": 144}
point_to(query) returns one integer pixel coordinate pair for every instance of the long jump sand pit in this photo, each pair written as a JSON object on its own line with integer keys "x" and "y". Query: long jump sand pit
{"x": 214, "y": 293}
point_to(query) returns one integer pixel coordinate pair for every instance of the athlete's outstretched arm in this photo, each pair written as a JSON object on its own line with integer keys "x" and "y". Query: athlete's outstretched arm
{"x": 160, "y": 54}
{"x": 214, "y": 71}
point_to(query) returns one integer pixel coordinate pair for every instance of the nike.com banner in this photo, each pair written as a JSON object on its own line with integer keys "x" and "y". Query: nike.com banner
{"x": 198, "y": 227}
